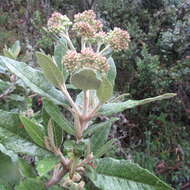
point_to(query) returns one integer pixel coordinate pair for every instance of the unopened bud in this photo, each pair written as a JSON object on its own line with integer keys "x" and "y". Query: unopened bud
{"x": 76, "y": 177}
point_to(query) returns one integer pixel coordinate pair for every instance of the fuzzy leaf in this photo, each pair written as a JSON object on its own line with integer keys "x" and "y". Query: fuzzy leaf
{"x": 93, "y": 128}
{"x": 123, "y": 174}
{"x": 85, "y": 79}
{"x": 112, "y": 71}
{"x": 59, "y": 52}
{"x": 33, "y": 130}
{"x": 58, "y": 117}
{"x": 57, "y": 133}
{"x": 105, "y": 148}
{"x": 34, "y": 80}
{"x": 8, "y": 53}
{"x": 100, "y": 137}
{"x": 31, "y": 184}
{"x": 50, "y": 70}
{"x": 9, "y": 174}
{"x": 105, "y": 90}
{"x": 46, "y": 165}
{"x": 15, "y": 49}
{"x": 112, "y": 108}
{"x": 10, "y": 142}
{"x": 11, "y": 122}
{"x": 26, "y": 169}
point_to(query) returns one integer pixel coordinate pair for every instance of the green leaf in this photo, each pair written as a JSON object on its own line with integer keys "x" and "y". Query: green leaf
{"x": 100, "y": 137}
{"x": 34, "y": 131}
{"x": 85, "y": 79}
{"x": 105, "y": 148}
{"x": 56, "y": 188}
{"x": 8, "y": 53}
{"x": 15, "y": 49}
{"x": 93, "y": 128}
{"x": 105, "y": 91}
{"x": 26, "y": 169}
{"x": 58, "y": 117}
{"x": 12, "y": 143}
{"x": 56, "y": 133}
{"x": 9, "y": 174}
{"x": 11, "y": 121}
{"x": 123, "y": 174}
{"x": 112, "y": 71}
{"x": 112, "y": 108}
{"x": 30, "y": 184}
{"x": 50, "y": 70}
{"x": 59, "y": 52}
{"x": 4, "y": 187}
{"x": 46, "y": 165}
{"x": 34, "y": 80}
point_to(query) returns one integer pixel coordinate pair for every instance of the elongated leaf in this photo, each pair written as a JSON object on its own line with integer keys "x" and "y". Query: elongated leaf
{"x": 112, "y": 71}
{"x": 34, "y": 131}
{"x": 112, "y": 108}
{"x": 12, "y": 122}
{"x": 122, "y": 174}
{"x": 93, "y": 128}
{"x": 34, "y": 79}
{"x": 26, "y": 169}
{"x": 50, "y": 70}
{"x": 57, "y": 133}
{"x": 15, "y": 49}
{"x": 15, "y": 144}
{"x": 4, "y": 187}
{"x": 31, "y": 184}
{"x": 100, "y": 137}
{"x": 8, "y": 53}
{"x": 9, "y": 174}
{"x": 46, "y": 165}
{"x": 105, "y": 148}
{"x": 58, "y": 117}
{"x": 105, "y": 90}
{"x": 59, "y": 52}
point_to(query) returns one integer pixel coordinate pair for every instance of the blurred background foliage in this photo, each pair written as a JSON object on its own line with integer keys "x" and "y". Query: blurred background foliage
{"x": 158, "y": 61}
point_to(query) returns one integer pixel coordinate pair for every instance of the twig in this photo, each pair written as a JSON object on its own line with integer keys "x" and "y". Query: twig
{"x": 58, "y": 173}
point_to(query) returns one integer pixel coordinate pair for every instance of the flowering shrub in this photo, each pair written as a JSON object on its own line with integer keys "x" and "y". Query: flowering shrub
{"x": 76, "y": 161}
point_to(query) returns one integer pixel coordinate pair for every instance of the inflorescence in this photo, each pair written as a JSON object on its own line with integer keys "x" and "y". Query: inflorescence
{"x": 91, "y": 31}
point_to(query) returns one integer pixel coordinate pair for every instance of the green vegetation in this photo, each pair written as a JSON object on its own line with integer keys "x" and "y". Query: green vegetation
{"x": 157, "y": 61}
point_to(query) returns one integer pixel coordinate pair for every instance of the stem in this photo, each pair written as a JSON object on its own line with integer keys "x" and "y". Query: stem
{"x": 105, "y": 49}
{"x": 86, "y": 102}
{"x": 66, "y": 36}
{"x": 58, "y": 173}
{"x": 93, "y": 113}
{"x": 98, "y": 47}
{"x": 70, "y": 100}
{"x": 83, "y": 44}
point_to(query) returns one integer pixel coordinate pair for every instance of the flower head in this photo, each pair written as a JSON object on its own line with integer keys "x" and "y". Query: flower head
{"x": 58, "y": 23}
{"x": 87, "y": 58}
{"x": 85, "y": 24}
{"x": 118, "y": 39}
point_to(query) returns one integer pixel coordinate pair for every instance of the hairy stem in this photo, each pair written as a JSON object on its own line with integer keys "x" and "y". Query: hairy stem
{"x": 86, "y": 102}
{"x": 58, "y": 174}
{"x": 69, "y": 99}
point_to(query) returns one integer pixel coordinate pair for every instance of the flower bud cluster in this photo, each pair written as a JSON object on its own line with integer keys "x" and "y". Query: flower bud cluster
{"x": 58, "y": 23}
{"x": 118, "y": 39}
{"x": 87, "y": 58}
{"x": 85, "y": 24}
